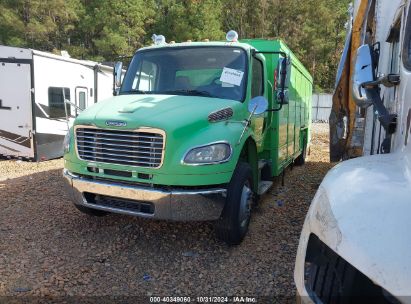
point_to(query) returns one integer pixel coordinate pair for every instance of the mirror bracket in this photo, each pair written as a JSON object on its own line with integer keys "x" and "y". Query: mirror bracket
{"x": 284, "y": 99}
{"x": 256, "y": 106}
{"x": 390, "y": 80}
{"x": 387, "y": 120}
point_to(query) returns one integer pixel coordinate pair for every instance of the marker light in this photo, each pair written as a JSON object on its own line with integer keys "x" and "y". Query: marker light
{"x": 232, "y": 36}
{"x": 158, "y": 39}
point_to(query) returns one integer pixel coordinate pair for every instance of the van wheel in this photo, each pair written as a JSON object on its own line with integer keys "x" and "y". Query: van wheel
{"x": 90, "y": 211}
{"x": 300, "y": 160}
{"x": 233, "y": 224}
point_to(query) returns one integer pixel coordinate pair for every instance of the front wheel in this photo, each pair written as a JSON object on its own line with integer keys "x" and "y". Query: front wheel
{"x": 233, "y": 224}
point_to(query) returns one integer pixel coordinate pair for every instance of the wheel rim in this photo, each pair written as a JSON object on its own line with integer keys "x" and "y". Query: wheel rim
{"x": 245, "y": 205}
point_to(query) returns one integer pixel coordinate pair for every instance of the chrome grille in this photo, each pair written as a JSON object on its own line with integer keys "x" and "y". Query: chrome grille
{"x": 141, "y": 148}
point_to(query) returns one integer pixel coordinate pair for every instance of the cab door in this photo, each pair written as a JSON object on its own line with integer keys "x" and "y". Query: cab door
{"x": 258, "y": 89}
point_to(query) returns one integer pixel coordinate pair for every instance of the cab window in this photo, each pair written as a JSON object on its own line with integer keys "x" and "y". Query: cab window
{"x": 257, "y": 85}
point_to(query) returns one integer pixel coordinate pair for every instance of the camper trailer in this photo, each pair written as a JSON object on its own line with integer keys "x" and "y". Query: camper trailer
{"x": 355, "y": 246}
{"x": 40, "y": 94}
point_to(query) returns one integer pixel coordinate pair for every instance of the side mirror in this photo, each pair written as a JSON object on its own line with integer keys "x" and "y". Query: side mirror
{"x": 258, "y": 105}
{"x": 363, "y": 75}
{"x": 365, "y": 87}
{"x": 284, "y": 74}
{"x": 118, "y": 70}
{"x": 282, "y": 97}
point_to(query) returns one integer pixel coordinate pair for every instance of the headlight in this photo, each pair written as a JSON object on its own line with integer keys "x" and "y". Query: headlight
{"x": 209, "y": 154}
{"x": 66, "y": 143}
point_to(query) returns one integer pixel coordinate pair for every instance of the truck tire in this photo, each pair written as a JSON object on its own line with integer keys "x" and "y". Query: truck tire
{"x": 90, "y": 211}
{"x": 300, "y": 160}
{"x": 233, "y": 224}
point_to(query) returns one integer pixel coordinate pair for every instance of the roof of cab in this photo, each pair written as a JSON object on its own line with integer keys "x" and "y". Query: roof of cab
{"x": 245, "y": 46}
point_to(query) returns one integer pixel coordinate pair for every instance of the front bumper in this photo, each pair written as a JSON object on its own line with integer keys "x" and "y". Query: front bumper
{"x": 176, "y": 205}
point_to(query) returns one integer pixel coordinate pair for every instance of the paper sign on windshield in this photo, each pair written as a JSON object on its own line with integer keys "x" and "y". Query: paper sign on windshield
{"x": 232, "y": 76}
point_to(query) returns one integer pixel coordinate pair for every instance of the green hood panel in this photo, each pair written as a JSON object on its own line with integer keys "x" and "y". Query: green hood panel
{"x": 185, "y": 122}
{"x": 167, "y": 112}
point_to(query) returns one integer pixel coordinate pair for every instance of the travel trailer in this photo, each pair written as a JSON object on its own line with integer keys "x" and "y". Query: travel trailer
{"x": 355, "y": 246}
{"x": 197, "y": 132}
{"x": 40, "y": 94}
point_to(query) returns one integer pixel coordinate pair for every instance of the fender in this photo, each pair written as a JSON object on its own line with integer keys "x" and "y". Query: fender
{"x": 248, "y": 153}
{"x": 361, "y": 211}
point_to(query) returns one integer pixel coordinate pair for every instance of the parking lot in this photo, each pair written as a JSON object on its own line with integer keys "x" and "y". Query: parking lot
{"x": 48, "y": 248}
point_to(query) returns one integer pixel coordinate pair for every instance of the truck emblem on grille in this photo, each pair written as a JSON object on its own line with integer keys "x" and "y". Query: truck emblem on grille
{"x": 115, "y": 123}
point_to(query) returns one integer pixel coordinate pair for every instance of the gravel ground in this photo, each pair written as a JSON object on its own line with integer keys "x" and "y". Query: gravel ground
{"x": 48, "y": 248}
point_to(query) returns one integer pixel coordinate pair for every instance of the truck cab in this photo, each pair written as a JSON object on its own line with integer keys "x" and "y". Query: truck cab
{"x": 196, "y": 132}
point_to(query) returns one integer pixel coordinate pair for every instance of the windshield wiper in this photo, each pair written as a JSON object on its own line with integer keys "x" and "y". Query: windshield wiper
{"x": 172, "y": 92}
{"x": 188, "y": 92}
{"x": 134, "y": 92}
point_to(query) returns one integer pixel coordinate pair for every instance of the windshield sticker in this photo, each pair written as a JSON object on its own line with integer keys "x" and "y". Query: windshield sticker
{"x": 232, "y": 76}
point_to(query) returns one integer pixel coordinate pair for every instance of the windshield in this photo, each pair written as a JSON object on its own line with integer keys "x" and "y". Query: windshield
{"x": 218, "y": 72}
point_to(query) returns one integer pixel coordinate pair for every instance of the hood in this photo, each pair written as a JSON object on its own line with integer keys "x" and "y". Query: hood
{"x": 158, "y": 111}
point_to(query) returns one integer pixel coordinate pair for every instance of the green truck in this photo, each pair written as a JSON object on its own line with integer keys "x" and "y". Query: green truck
{"x": 196, "y": 132}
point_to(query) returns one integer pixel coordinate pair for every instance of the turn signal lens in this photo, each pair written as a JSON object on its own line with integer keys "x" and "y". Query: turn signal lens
{"x": 66, "y": 143}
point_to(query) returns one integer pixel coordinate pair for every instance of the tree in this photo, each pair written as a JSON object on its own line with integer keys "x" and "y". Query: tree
{"x": 105, "y": 29}
{"x": 37, "y": 24}
{"x": 248, "y": 17}
{"x": 313, "y": 29}
{"x": 108, "y": 29}
{"x": 189, "y": 20}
